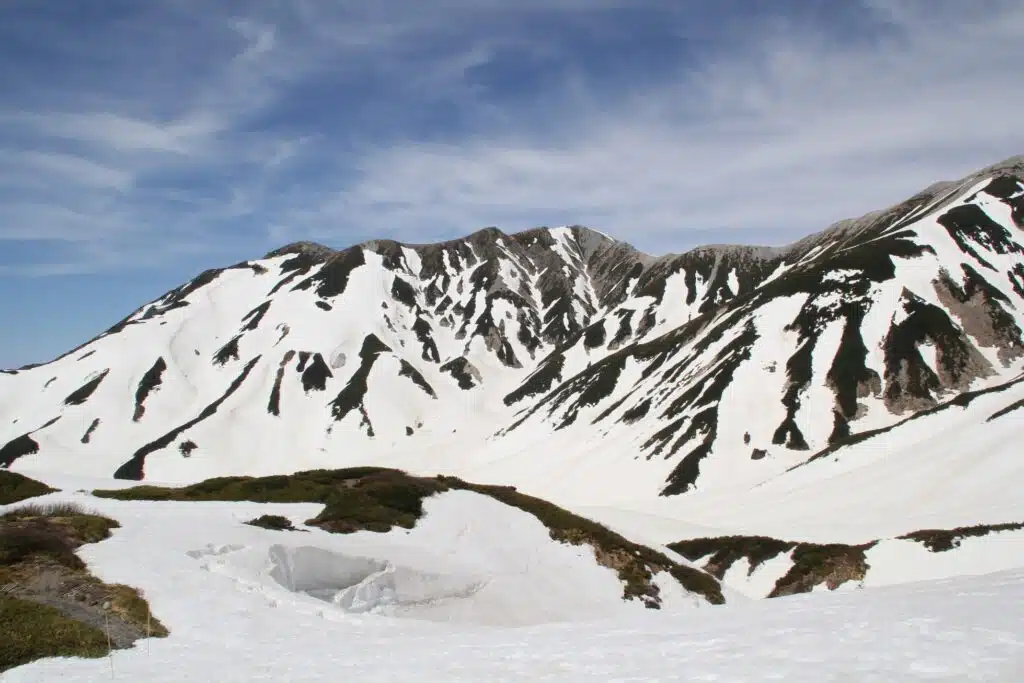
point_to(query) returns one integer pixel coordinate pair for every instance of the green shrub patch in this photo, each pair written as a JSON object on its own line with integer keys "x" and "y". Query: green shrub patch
{"x": 50, "y": 605}
{"x": 941, "y": 540}
{"x": 15, "y": 488}
{"x": 813, "y": 564}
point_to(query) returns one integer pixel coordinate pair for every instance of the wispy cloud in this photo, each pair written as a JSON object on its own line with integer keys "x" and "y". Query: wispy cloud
{"x": 149, "y": 137}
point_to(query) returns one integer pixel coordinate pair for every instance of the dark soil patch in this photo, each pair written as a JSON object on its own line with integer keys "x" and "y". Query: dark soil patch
{"x": 425, "y": 335}
{"x": 87, "y": 437}
{"x": 407, "y": 370}
{"x": 314, "y": 373}
{"x": 332, "y": 277}
{"x": 82, "y": 394}
{"x": 637, "y": 412}
{"x": 351, "y": 396}
{"x": 403, "y": 292}
{"x": 1016, "y": 405}
{"x": 227, "y": 352}
{"x": 464, "y": 372}
{"x": 941, "y": 540}
{"x": 274, "y": 404}
{"x": 17, "y": 448}
{"x": 594, "y": 336}
{"x": 274, "y": 523}
{"x": 149, "y": 382}
{"x": 255, "y": 316}
{"x": 541, "y": 381}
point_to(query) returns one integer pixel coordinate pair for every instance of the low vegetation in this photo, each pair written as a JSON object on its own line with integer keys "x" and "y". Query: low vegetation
{"x": 273, "y": 522}
{"x": 941, "y": 540}
{"x": 31, "y": 631}
{"x": 813, "y": 564}
{"x": 725, "y": 551}
{"x": 380, "y": 499}
{"x": 15, "y": 488}
{"x": 51, "y": 604}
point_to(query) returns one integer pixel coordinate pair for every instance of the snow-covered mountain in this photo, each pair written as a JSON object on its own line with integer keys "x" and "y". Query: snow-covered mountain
{"x": 557, "y": 359}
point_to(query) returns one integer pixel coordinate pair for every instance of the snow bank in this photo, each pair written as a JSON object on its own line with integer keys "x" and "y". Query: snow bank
{"x": 470, "y": 559}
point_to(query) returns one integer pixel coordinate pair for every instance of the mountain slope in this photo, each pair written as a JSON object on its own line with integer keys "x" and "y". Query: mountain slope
{"x": 558, "y": 359}
{"x": 853, "y": 329}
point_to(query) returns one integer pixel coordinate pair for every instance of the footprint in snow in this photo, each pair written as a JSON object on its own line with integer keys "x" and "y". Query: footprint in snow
{"x": 213, "y": 550}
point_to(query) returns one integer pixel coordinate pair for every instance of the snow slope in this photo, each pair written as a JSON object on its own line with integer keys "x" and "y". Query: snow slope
{"x": 953, "y": 465}
{"x": 860, "y": 384}
{"x": 213, "y": 582}
{"x": 558, "y": 359}
{"x": 722, "y": 366}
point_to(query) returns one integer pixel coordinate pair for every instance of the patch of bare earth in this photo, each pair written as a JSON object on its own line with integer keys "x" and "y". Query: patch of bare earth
{"x": 47, "y": 590}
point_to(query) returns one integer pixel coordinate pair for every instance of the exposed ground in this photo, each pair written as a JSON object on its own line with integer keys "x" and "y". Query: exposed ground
{"x": 273, "y": 523}
{"x": 50, "y": 605}
{"x": 941, "y": 540}
{"x": 814, "y": 564}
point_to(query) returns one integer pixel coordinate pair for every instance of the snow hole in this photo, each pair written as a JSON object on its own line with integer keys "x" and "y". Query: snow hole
{"x": 362, "y": 584}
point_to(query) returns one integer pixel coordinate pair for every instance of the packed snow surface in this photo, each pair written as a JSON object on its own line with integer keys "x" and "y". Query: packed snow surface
{"x": 247, "y": 604}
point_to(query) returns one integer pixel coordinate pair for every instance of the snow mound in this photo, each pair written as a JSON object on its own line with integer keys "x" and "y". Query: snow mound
{"x": 362, "y": 584}
{"x": 470, "y": 560}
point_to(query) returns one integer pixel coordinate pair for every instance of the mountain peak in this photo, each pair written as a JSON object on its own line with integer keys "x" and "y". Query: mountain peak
{"x": 315, "y": 250}
{"x": 588, "y": 240}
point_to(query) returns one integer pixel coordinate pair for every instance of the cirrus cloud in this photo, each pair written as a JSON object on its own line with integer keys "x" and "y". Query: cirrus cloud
{"x": 157, "y": 140}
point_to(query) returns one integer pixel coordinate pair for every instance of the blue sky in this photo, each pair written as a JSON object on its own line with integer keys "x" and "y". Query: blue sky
{"x": 142, "y": 142}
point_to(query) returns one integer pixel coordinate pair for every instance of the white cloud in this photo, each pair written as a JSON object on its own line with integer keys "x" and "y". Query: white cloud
{"x": 260, "y": 38}
{"x": 776, "y": 138}
{"x": 769, "y": 132}
{"x": 74, "y": 169}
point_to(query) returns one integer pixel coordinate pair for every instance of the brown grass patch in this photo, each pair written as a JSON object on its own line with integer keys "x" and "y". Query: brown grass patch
{"x": 52, "y": 604}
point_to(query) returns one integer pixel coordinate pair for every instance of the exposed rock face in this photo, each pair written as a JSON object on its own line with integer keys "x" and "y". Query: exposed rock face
{"x": 723, "y": 362}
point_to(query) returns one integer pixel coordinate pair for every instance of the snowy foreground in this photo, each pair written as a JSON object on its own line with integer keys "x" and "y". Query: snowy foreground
{"x": 478, "y": 593}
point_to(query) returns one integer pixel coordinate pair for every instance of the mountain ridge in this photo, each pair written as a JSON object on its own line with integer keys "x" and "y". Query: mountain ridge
{"x": 722, "y": 366}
